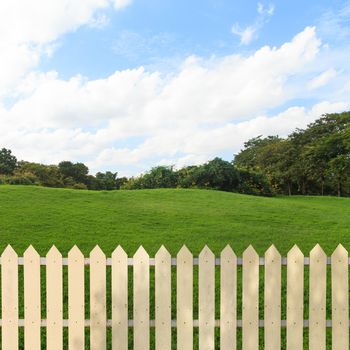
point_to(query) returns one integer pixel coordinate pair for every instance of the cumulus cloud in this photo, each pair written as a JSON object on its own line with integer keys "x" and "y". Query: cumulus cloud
{"x": 249, "y": 33}
{"x": 28, "y": 30}
{"x": 135, "y": 119}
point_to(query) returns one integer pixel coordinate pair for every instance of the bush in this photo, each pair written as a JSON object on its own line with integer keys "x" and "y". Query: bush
{"x": 253, "y": 182}
{"x": 21, "y": 180}
{"x": 79, "y": 186}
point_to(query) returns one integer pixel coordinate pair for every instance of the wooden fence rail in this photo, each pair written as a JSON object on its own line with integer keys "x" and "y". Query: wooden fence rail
{"x": 227, "y": 287}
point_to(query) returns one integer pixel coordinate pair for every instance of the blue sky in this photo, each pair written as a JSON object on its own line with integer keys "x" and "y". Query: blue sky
{"x": 155, "y": 33}
{"x": 126, "y": 85}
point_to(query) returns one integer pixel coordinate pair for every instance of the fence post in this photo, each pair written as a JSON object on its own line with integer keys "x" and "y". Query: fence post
{"x": 119, "y": 299}
{"x": 32, "y": 299}
{"x": 141, "y": 300}
{"x": 9, "y": 302}
{"x": 272, "y": 296}
{"x": 295, "y": 299}
{"x": 76, "y": 303}
{"x": 228, "y": 299}
{"x": 98, "y": 315}
{"x": 54, "y": 300}
{"x": 184, "y": 285}
{"x": 250, "y": 299}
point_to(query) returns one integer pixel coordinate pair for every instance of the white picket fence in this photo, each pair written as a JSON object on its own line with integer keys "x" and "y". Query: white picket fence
{"x": 228, "y": 264}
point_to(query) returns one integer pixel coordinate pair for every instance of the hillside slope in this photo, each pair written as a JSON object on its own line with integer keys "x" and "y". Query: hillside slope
{"x": 45, "y": 216}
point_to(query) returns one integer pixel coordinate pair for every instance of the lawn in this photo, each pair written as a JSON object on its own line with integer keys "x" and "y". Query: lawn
{"x": 173, "y": 217}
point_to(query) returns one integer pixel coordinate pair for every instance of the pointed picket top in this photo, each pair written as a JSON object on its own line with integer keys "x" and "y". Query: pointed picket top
{"x": 53, "y": 254}
{"x": 318, "y": 253}
{"x": 9, "y": 253}
{"x": 273, "y": 255}
{"x": 141, "y": 255}
{"x": 97, "y": 255}
{"x": 228, "y": 254}
{"x": 31, "y": 254}
{"x": 184, "y": 254}
{"x": 340, "y": 252}
{"x": 162, "y": 254}
{"x": 75, "y": 253}
{"x": 206, "y": 254}
{"x": 250, "y": 254}
{"x": 295, "y": 253}
{"x": 119, "y": 252}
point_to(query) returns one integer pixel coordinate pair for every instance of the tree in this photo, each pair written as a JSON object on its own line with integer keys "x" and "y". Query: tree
{"x": 217, "y": 174}
{"x": 8, "y": 162}
{"x": 339, "y": 170}
{"x": 249, "y": 157}
{"x": 76, "y": 171}
{"x": 47, "y": 175}
{"x": 107, "y": 180}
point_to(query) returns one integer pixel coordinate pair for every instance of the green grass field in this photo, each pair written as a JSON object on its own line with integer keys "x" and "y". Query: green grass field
{"x": 173, "y": 217}
{"x": 44, "y": 216}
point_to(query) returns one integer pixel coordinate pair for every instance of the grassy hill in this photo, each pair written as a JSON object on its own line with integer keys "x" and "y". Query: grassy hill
{"x": 44, "y": 216}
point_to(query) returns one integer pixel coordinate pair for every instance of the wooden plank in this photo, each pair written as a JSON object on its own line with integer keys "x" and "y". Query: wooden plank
{"x": 32, "y": 299}
{"x": 119, "y": 299}
{"x": 163, "y": 299}
{"x": 272, "y": 299}
{"x": 295, "y": 299}
{"x": 141, "y": 300}
{"x": 9, "y": 296}
{"x": 228, "y": 299}
{"x": 340, "y": 299}
{"x": 317, "y": 302}
{"x": 76, "y": 304}
{"x": 54, "y": 300}
{"x": 206, "y": 299}
{"x": 250, "y": 300}
{"x": 98, "y": 313}
{"x": 184, "y": 307}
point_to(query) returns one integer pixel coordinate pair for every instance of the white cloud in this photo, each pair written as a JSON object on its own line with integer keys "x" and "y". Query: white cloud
{"x": 249, "y": 33}
{"x": 322, "y": 79}
{"x": 246, "y": 34}
{"x": 28, "y": 30}
{"x": 119, "y": 4}
{"x": 135, "y": 118}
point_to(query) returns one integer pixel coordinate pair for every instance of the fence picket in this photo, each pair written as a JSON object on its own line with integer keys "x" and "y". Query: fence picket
{"x": 32, "y": 300}
{"x": 141, "y": 300}
{"x": 272, "y": 298}
{"x": 184, "y": 306}
{"x": 163, "y": 299}
{"x": 206, "y": 299}
{"x": 228, "y": 299}
{"x": 54, "y": 300}
{"x": 76, "y": 304}
{"x": 340, "y": 299}
{"x": 119, "y": 299}
{"x": 9, "y": 296}
{"x": 295, "y": 299}
{"x": 98, "y": 311}
{"x": 250, "y": 300}
{"x": 317, "y": 303}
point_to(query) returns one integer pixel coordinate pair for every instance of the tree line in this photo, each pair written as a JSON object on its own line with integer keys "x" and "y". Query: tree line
{"x": 311, "y": 161}
{"x": 314, "y": 161}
